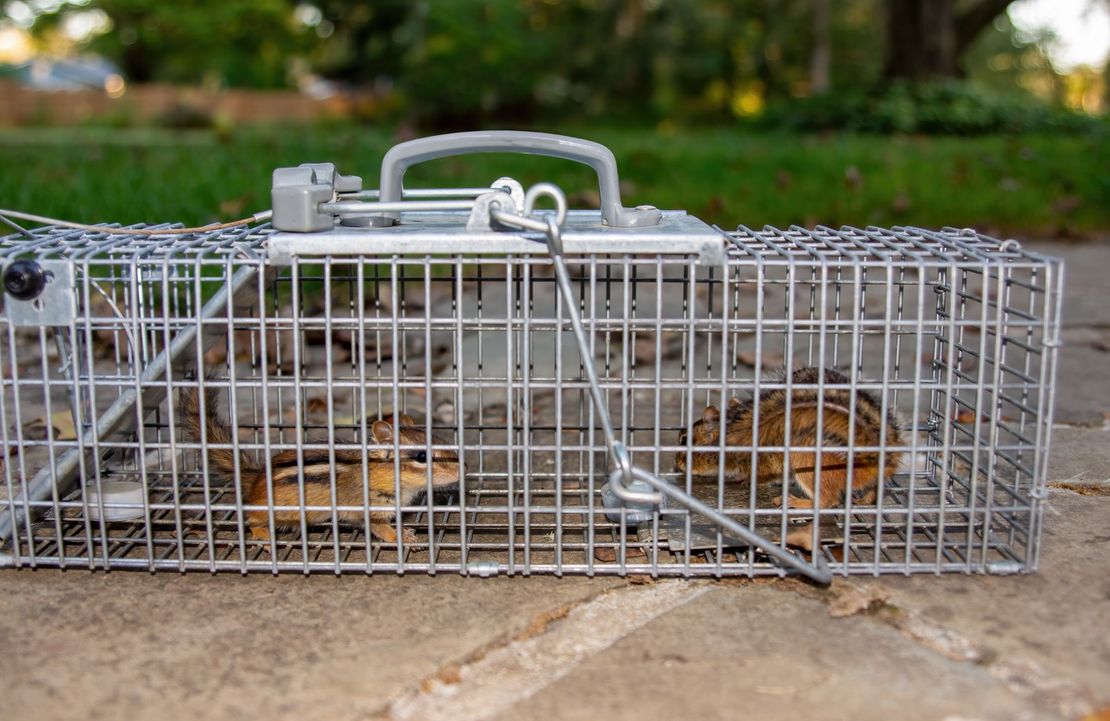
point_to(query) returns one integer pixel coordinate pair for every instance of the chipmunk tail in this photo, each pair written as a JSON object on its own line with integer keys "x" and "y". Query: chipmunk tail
{"x": 216, "y": 434}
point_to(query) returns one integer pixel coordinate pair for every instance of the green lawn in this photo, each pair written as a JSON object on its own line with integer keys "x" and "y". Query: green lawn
{"x": 1018, "y": 185}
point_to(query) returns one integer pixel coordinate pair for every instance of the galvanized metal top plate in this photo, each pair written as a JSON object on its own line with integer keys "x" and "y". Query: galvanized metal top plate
{"x": 444, "y": 233}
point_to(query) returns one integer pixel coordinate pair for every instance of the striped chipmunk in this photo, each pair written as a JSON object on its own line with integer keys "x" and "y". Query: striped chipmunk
{"x": 836, "y": 423}
{"x": 350, "y": 489}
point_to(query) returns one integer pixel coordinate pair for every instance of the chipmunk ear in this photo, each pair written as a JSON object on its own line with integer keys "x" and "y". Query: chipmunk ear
{"x": 407, "y": 421}
{"x": 383, "y": 432}
{"x": 711, "y": 414}
{"x": 733, "y": 402}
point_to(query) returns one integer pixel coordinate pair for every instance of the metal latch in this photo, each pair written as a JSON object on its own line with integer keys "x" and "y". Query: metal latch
{"x": 39, "y": 293}
{"x": 297, "y": 193}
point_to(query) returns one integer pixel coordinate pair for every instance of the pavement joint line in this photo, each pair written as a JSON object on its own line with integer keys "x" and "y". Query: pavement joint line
{"x": 516, "y": 670}
{"x": 1026, "y": 678}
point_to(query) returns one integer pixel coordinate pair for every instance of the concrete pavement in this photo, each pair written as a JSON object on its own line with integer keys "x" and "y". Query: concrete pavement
{"x": 133, "y": 645}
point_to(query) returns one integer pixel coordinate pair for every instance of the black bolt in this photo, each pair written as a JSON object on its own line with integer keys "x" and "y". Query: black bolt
{"x": 24, "y": 279}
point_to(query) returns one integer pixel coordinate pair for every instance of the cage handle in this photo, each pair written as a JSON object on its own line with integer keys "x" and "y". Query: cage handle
{"x": 625, "y": 472}
{"x": 404, "y": 155}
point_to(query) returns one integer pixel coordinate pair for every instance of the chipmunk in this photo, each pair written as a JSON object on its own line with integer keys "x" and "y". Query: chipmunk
{"x": 804, "y": 404}
{"x": 286, "y": 474}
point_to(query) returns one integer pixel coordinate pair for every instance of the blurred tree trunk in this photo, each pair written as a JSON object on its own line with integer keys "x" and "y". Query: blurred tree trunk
{"x": 821, "y": 58}
{"x": 926, "y": 39}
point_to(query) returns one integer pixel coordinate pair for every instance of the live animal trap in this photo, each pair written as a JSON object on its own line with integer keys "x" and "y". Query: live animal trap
{"x": 459, "y": 381}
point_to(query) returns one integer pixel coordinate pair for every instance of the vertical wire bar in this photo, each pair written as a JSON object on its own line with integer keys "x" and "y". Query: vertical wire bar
{"x": 76, "y": 410}
{"x": 49, "y": 418}
{"x": 10, "y": 496}
{"x": 837, "y": 317}
{"x": 559, "y": 486}
{"x": 689, "y": 307}
{"x": 558, "y": 372}
{"x": 171, "y": 417}
{"x": 329, "y": 404}
{"x": 853, "y": 408}
{"x": 658, "y": 409}
{"x": 198, "y": 269}
{"x": 90, "y": 359}
{"x": 724, "y": 411}
{"x": 884, "y": 409}
{"x": 297, "y": 341}
{"x": 526, "y": 419}
{"x": 233, "y": 420}
{"x": 687, "y": 398}
{"x": 364, "y": 437}
{"x": 900, "y": 320}
{"x": 995, "y": 407}
{"x": 818, "y": 454}
{"x": 753, "y": 488}
{"x": 788, "y": 380}
{"x": 626, "y": 397}
{"x": 973, "y": 491}
{"x": 460, "y": 398}
{"x": 589, "y": 407}
{"x": 1046, "y": 399}
{"x": 510, "y": 497}
{"x": 948, "y": 410}
{"x": 1005, "y": 300}
{"x": 137, "y": 319}
{"x": 858, "y": 290}
{"x": 429, "y": 438}
{"x": 17, "y": 410}
{"x": 918, "y": 350}
{"x": 806, "y": 242}
{"x": 395, "y": 310}
{"x": 479, "y": 380}
{"x": 264, "y": 371}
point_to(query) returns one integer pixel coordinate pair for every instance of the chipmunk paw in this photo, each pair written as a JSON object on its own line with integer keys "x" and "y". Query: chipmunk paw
{"x": 794, "y": 502}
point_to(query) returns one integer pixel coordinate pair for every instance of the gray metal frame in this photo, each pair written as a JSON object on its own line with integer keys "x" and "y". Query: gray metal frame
{"x": 559, "y": 358}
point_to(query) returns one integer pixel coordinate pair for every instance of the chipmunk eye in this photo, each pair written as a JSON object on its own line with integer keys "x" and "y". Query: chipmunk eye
{"x": 421, "y": 457}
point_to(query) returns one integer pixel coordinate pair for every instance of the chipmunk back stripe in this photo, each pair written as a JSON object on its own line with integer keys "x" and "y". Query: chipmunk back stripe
{"x": 839, "y": 417}
{"x": 310, "y": 457}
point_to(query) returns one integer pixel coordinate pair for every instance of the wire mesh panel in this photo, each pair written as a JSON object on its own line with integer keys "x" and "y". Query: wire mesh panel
{"x": 491, "y": 458}
{"x": 613, "y": 392}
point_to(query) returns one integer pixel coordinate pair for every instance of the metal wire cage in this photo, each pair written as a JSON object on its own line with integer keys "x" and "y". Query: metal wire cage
{"x": 541, "y": 377}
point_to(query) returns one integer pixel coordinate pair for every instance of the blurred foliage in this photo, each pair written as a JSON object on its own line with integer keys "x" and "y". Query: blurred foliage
{"x": 957, "y": 108}
{"x": 226, "y": 42}
{"x": 452, "y": 64}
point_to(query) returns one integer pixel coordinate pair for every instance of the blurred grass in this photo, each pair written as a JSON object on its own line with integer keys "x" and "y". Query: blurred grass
{"x": 1021, "y": 185}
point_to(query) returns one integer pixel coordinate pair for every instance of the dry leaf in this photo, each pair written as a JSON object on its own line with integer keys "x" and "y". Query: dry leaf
{"x": 445, "y": 412}
{"x": 495, "y": 413}
{"x": 61, "y": 422}
{"x": 1102, "y": 714}
{"x": 852, "y": 177}
{"x": 670, "y": 347}
{"x": 848, "y": 599}
{"x": 714, "y": 207}
{"x": 235, "y": 206}
{"x": 966, "y": 416}
{"x": 316, "y": 405}
{"x": 584, "y": 199}
{"x": 63, "y": 426}
{"x": 606, "y": 554}
{"x": 769, "y": 360}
